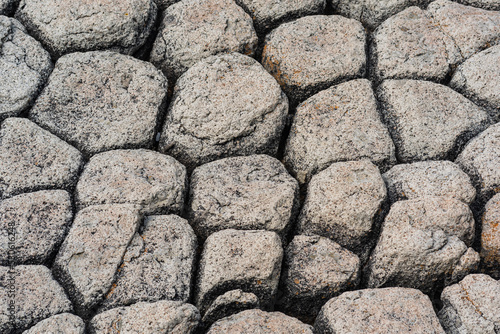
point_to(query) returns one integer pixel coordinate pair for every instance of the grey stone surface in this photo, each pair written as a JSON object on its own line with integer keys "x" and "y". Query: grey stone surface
{"x": 436, "y": 130}
{"x": 147, "y": 318}
{"x": 229, "y": 303}
{"x": 196, "y": 29}
{"x": 224, "y": 105}
{"x": 344, "y": 203}
{"x": 7, "y": 6}
{"x": 100, "y": 101}
{"x": 390, "y": 311}
{"x": 248, "y": 193}
{"x": 471, "y": 306}
{"x": 157, "y": 265}
{"x": 163, "y": 4}
{"x": 315, "y": 270}
{"x": 428, "y": 178}
{"x": 490, "y": 237}
{"x": 36, "y": 296}
{"x": 39, "y": 221}
{"x": 65, "y": 26}
{"x": 257, "y": 321}
{"x": 64, "y": 323}
{"x": 93, "y": 250}
{"x": 25, "y": 66}
{"x": 477, "y": 78}
{"x": 338, "y": 124}
{"x": 33, "y": 159}
{"x": 485, "y": 4}
{"x": 423, "y": 242}
{"x": 154, "y": 181}
{"x": 313, "y": 53}
{"x": 231, "y": 259}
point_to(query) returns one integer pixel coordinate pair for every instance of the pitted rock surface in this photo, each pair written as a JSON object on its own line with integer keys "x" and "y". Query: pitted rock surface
{"x": 485, "y": 4}
{"x": 229, "y": 303}
{"x": 490, "y": 237}
{"x": 64, "y": 323}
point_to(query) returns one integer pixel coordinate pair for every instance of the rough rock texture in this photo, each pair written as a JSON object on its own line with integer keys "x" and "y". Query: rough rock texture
{"x": 477, "y": 78}
{"x": 158, "y": 264}
{"x": 247, "y": 260}
{"x": 315, "y": 270}
{"x": 65, "y": 323}
{"x": 436, "y": 130}
{"x": 150, "y": 179}
{"x": 485, "y": 4}
{"x": 99, "y": 101}
{"x": 7, "y": 6}
{"x": 268, "y": 14}
{"x": 39, "y": 221}
{"x": 257, "y": 321}
{"x": 231, "y": 302}
{"x": 147, "y": 318}
{"x": 25, "y": 66}
{"x": 423, "y": 243}
{"x": 195, "y": 29}
{"x": 471, "y": 306}
{"x": 490, "y": 237}
{"x": 338, "y": 124}
{"x": 313, "y": 53}
{"x": 344, "y": 203}
{"x": 94, "y": 248}
{"x": 390, "y": 311}
{"x": 65, "y": 26}
{"x": 32, "y": 159}
{"x": 36, "y": 296}
{"x": 481, "y": 160}
{"x": 224, "y": 105}
{"x": 428, "y": 178}
{"x": 248, "y": 193}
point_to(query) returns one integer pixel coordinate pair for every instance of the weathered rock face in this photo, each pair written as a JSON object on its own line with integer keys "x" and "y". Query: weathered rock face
{"x": 257, "y": 321}
{"x": 247, "y": 193}
{"x": 39, "y": 221}
{"x": 338, "y": 124}
{"x": 24, "y": 64}
{"x": 229, "y": 303}
{"x": 313, "y": 53}
{"x": 390, "y": 310}
{"x": 33, "y": 159}
{"x": 163, "y": 4}
{"x": 93, "y": 250}
{"x": 7, "y": 6}
{"x": 66, "y": 323}
{"x": 64, "y": 26}
{"x": 147, "y": 318}
{"x": 490, "y": 237}
{"x": 471, "y": 306}
{"x": 100, "y": 101}
{"x": 220, "y": 24}
{"x": 423, "y": 243}
{"x": 224, "y": 105}
{"x": 36, "y": 296}
{"x": 154, "y": 181}
{"x": 485, "y": 4}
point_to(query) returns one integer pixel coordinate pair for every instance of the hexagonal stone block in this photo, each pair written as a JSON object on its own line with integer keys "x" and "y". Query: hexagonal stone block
{"x": 231, "y": 259}
{"x": 344, "y": 203}
{"x": 223, "y": 106}
{"x": 313, "y": 53}
{"x": 93, "y": 250}
{"x": 25, "y": 67}
{"x": 66, "y": 323}
{"x": 247, "y": 193}
{"x": 39, "y": 221}
{"x": 195, "y": 29}
{"x": 64, "y": 26}
{"x": 33, "y": 294}
{"x": 157, "y": 265}
{"x": 315, "y": 270}
{"x": 33, "y": 159}
{"x": 428, "y": 178}
{"x": 490, "y": 237}
{"x": 436, "y": 130}
{"x": 154, "y": 181}
{"x": 100, "y": 101}
{"x": 390, "y": 310}
{"x": 424, "y": 242}
{"x": 338, "y": 124}
{"x": 147, "y": 318}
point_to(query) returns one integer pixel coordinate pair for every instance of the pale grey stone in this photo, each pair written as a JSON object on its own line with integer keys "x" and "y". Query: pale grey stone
{"x": 224, "y": 105}
{"x": 389, "y": 311}
{"x": 100, "y": 101}
{"x": 64, "y": 323}
{"x": 490, "y": 237}
{"x": 155, "y": 181}
{"x": 32, "y": 159}
{"x": 485, "y": 4}
{"x": 229, "y": 303}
